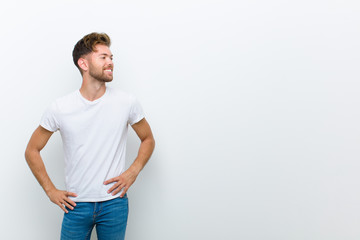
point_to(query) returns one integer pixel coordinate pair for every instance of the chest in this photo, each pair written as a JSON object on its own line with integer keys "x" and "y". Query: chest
{"x": 92, "y": 121}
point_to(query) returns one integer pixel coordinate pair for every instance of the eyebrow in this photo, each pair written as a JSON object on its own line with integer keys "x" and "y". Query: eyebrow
{"x": 106, "y": 54}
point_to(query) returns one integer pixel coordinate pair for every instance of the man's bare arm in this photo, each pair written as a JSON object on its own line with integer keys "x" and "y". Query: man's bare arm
{"x": 32, "y": 155}
{"x": 125, "y": 180}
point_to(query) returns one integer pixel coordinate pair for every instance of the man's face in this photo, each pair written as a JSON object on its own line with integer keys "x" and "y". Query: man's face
{"x": 100, "y": 64}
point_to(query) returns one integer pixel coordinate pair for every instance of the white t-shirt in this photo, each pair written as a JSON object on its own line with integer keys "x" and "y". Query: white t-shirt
{"x": 94, "y": 137}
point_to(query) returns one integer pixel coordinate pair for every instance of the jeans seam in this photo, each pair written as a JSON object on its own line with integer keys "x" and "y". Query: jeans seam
{"x": 87, "y": 235}
{"x": 106, "y": 219}
{"x": 100, "y": 209}
{"x": 94, "y": 213}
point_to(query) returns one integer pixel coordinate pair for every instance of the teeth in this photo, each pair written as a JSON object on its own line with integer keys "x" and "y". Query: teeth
{"x": 108, "y": 70}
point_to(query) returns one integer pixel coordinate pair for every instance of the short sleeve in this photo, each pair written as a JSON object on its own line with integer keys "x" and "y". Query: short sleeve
{"x": 48, "y": 119}
{"x": 136, "y": 112}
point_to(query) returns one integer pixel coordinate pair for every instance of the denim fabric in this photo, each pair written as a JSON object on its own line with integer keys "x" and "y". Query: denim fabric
{"x": 109, "y": 217}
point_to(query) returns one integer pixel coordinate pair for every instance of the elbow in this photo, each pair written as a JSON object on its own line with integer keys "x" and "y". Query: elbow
{"x": 152, "y": 142}
{"x": 29, "y": 153}
{"x": 149, "y": 141}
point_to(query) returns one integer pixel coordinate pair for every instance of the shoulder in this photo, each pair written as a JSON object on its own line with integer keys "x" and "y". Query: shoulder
{"x": 121, "y": 95}
{"x": 64, "y": 101}
{"x": 68, "y": 97}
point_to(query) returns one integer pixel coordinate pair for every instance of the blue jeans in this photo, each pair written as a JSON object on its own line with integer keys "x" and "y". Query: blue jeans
{"x": 109, "y": 217}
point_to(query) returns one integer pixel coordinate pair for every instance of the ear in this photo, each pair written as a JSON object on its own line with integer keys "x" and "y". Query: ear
{"x": 83, "y": 64}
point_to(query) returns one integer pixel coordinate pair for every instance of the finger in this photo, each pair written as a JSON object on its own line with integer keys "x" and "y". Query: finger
{"x": 117, "y": 190}
{"x": 111, "y": 180}
{"x": 70, "y": 202}
{"x": 63, "y": 208}
{"x": 71, "y": 194}
{"x": 68, "y": 206}
{"x": 114, "y": 187}
{"x": 123, "y": 192}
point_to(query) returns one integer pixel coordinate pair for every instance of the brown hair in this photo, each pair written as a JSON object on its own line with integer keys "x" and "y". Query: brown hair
{"x": 87, "y": 45}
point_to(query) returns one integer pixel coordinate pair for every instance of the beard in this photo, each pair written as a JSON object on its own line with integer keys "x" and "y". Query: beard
{"x": 100, "y": 75}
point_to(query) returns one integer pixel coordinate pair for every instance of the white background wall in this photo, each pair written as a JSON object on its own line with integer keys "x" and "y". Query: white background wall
{"x": 254, "y": 106}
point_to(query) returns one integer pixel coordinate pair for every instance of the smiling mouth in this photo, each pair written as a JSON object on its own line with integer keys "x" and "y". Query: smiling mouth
{"x": 108, "y": 70}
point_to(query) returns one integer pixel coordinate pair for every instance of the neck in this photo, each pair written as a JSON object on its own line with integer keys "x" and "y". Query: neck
{"x": 92, "y": 89}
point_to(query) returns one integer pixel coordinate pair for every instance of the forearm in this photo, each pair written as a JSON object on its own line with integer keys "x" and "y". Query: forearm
{"x": 146, "y": 149}
{"x": 127, "y": 178}
{"x": 36, "y": 164}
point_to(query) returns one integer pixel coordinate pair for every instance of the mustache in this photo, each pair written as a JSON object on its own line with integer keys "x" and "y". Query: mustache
{"x": 109, "y": 67}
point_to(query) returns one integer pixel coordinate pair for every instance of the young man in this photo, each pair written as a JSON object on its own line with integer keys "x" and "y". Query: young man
{"x": 93, "y": 124}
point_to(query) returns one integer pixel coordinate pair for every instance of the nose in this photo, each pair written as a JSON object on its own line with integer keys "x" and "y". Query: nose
{"x": 110, "y": 62}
